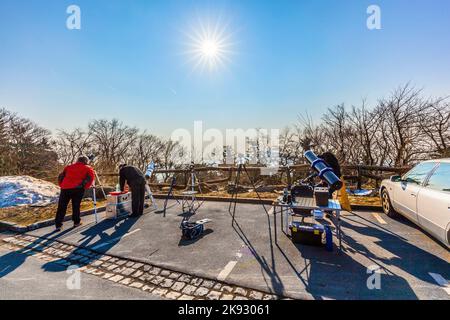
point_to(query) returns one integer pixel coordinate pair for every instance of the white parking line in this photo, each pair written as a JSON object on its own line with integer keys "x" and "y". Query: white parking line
{"x": 440, "y": 281}
{"x": 115, "y": 239}
{"x": 226, "y": 271}
{"x": 379, "y": 218}
{"x": 230, "y": 266}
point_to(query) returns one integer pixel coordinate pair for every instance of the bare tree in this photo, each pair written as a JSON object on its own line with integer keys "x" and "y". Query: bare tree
{"x": 71, "y": 144}
{"x": 339, "y": 134}
{"x": 366, "y": 125}
{"x": 148, "y": 148}
{"x": 26, "y": 147}
{"x": 402, "y": 112}
{"x": 435, "y": 124}
{"x": 112, "y": 142}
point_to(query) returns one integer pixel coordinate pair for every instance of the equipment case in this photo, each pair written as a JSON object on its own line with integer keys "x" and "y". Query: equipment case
{"x": 307, "y": 233}
{"x": 118, "y": 205}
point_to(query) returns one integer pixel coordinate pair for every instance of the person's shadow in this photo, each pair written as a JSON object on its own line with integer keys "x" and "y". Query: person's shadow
{"x": 13, "y": 260}
{"x": 97, "y": 240}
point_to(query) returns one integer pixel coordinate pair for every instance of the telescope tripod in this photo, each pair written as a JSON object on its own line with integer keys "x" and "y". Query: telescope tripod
{"x": 234, "y": 195}
{"x": 190, "y": 203}
{"x": 94, "y": 194}
{"x": 169, "y": 194}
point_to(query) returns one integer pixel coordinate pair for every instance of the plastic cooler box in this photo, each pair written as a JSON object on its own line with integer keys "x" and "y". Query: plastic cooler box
{"x": 307, "y": 233}
{"x": 118, "y": 204}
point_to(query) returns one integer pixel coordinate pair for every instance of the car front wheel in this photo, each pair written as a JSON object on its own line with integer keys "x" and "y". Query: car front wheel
{"x": 387, "y": 205}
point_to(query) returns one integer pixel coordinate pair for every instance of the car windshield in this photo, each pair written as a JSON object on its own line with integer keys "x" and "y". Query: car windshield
{"x": 440, "y": 180}
{"x": 419, "y": 173}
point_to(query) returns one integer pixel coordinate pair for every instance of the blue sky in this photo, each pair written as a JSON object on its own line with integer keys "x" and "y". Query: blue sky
{"x": 289, "y": 57}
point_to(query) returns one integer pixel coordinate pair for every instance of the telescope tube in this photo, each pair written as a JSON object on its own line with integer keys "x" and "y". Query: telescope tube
{"x": 325, "y": 173}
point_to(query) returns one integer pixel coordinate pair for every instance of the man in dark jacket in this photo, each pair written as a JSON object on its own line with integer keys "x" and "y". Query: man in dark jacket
{"x": 136, "y": 181}
{"x": 74, "y": 180}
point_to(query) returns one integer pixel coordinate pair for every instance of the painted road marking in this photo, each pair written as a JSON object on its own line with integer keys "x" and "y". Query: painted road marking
{"x": 379, "y": 218}
{"x": 226, "y": 271}
{"x": 440, "y": 281}
{"x": 115, "y": 239}
{"x": 230, "y": 266}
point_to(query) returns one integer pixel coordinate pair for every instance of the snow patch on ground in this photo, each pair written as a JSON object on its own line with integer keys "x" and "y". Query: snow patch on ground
{"x": 25, "y": 190}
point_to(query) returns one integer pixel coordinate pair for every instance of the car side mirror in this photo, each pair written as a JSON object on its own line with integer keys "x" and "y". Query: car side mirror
{"x": 396, "y": 178}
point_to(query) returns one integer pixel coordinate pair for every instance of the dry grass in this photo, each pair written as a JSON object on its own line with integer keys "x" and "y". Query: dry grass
{"x": 365, "y": 201}
{"x": 26, "y": 215}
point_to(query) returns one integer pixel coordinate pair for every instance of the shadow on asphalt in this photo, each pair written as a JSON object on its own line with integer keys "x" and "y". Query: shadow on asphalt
{"x": 276, "y": 286}
{"x": 322, "y": 274}
{"x": 13, "y": 260}
{"x": 100, "y": 246}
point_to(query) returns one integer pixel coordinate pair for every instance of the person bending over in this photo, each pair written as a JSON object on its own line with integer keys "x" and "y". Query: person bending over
{"x": 136, "y": 181}
{"x": 74, "y": 180}
{"x": 331, "y": 160}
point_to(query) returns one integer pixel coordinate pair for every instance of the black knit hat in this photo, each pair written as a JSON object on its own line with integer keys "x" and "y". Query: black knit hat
{"x": 83, "y": 159}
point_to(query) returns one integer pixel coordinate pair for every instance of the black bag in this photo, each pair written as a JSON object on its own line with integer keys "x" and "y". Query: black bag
{"x": 302, "y": 191}
{"x": 191, "y": 230}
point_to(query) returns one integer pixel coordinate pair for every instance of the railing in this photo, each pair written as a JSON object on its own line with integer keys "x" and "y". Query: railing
{"x": 353, "y": 173}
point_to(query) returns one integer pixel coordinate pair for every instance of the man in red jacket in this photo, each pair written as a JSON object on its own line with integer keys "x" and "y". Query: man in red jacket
{"x": 74, "y": 180}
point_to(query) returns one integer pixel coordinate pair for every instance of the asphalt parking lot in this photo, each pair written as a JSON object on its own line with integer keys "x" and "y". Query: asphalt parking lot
{"x": 31, "y": 281}
{"x": 255, "y": 253}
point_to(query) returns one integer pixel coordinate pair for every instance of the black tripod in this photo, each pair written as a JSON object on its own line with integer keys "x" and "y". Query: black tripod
{"x": 169, "y": 194}
{"x": 234, "y": 196}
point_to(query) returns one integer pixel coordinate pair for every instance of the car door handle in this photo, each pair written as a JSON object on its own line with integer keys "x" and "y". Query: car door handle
{"x": 414, "y": 195}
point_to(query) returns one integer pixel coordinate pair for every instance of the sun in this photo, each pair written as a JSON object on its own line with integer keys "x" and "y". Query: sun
{"x": 209, "y": 46}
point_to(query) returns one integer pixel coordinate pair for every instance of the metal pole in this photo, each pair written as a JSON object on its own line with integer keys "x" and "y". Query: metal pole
{"x": 94, "y": 199}
{"x": 149, "y": 191}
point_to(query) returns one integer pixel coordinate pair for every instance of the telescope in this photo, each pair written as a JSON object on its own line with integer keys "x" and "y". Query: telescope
{"x": 91, "y": 156}
{"x": 323, "y": 171}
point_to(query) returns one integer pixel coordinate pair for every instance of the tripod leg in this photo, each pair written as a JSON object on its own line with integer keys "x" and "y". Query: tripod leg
{"x": 149, "y": 191}
{"x": 254, "y": 187}
{"x": 100, "y": 184}
{"x": 238, "y": 177}
{"x": 94, "y": 200}
{"x": 234, "y": 192}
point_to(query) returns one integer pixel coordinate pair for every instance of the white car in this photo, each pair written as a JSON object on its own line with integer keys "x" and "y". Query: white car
{"x": 423, "y": 196}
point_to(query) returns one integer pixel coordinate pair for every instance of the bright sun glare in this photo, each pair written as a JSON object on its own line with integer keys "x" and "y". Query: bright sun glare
{"x": 209, "y": 46}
